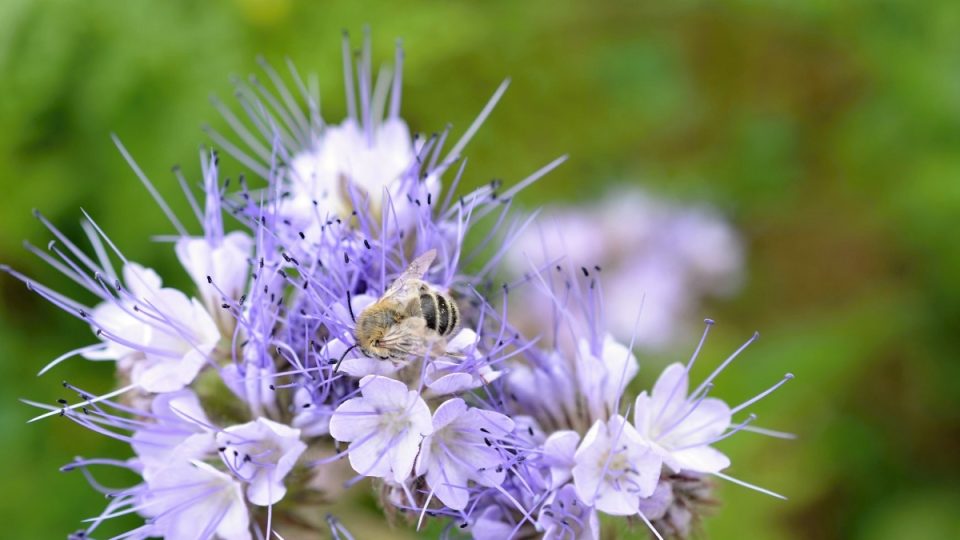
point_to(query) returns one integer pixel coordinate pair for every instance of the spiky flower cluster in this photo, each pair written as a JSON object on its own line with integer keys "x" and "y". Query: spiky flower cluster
{"x": 249, "y": 407}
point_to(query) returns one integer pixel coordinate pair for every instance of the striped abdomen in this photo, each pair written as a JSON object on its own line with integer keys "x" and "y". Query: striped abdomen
{"x": 440, "y": 312}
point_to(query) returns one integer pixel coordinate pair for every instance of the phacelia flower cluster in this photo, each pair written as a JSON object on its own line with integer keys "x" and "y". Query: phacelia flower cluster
{"x": 254, "y": 399}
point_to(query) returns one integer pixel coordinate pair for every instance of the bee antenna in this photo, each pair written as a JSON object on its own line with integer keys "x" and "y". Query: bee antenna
{"x": 350, "y": 307}
{"x": 344, "y": 355}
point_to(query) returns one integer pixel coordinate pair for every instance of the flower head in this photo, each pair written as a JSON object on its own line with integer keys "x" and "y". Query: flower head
{"x": 239, "y": 393}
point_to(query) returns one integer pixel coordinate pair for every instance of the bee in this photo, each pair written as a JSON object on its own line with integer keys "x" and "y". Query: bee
{"x": 411, "y": 318}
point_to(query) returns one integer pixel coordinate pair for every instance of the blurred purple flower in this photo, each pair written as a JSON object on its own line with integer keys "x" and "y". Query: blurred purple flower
{"x": 671, "y": 257}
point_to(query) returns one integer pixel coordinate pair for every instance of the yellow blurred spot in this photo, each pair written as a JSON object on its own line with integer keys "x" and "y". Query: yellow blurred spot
{"x": 264, "y": 12}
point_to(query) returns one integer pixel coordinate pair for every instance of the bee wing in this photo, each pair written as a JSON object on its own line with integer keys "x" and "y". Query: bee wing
{"x": 410, "y": 278}
{"x": 406, "y": 336}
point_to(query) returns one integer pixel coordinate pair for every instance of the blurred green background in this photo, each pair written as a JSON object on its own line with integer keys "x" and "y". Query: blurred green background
{"x": 828, "y": 133}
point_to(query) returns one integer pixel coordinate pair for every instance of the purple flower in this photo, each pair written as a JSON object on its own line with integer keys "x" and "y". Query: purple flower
{"x": 565, "y": 516}
{"x": 194, "y": 500}
{"x": 464, "y": 446}
{"x": 670, "y": 255}
{"x": 219, "y": 270}
{"x": 266, "y": 452}
{"x": 179, "y": 431}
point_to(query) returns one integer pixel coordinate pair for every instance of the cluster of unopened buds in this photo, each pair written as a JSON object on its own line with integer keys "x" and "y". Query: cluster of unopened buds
{"x": 350, "y": 327}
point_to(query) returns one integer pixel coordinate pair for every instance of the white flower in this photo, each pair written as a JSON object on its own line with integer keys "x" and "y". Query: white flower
{"x": 227, "y": 265}
{"x": 193, "y": 501}
{"x": 615, "y": 468}
{"x": 681, "y": 429}
{"x": 385, "y": 427}
{"x": 462, "y": 448}
{"x": 346, "y": 168}
{"x": 115, "y": 317}
{"x": 558, "y": 453}
{"x": 604, "y": 376}
{"x": 180, "y": 432}
{"x": 262, "y": 452}
{"x": 157, "y": 334}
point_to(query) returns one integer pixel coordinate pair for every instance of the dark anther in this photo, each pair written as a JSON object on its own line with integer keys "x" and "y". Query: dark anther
{"x": 302, "y": 236}
{"x": 366, "y": 243}
{"x": 585, "y": 272}
{"x": 346, "y": 258}
{"x": 487, "y": 442}
{"x": 62, "y": 401}
{"x": 429, "y": 198}
{"x": 530, "y": 430}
